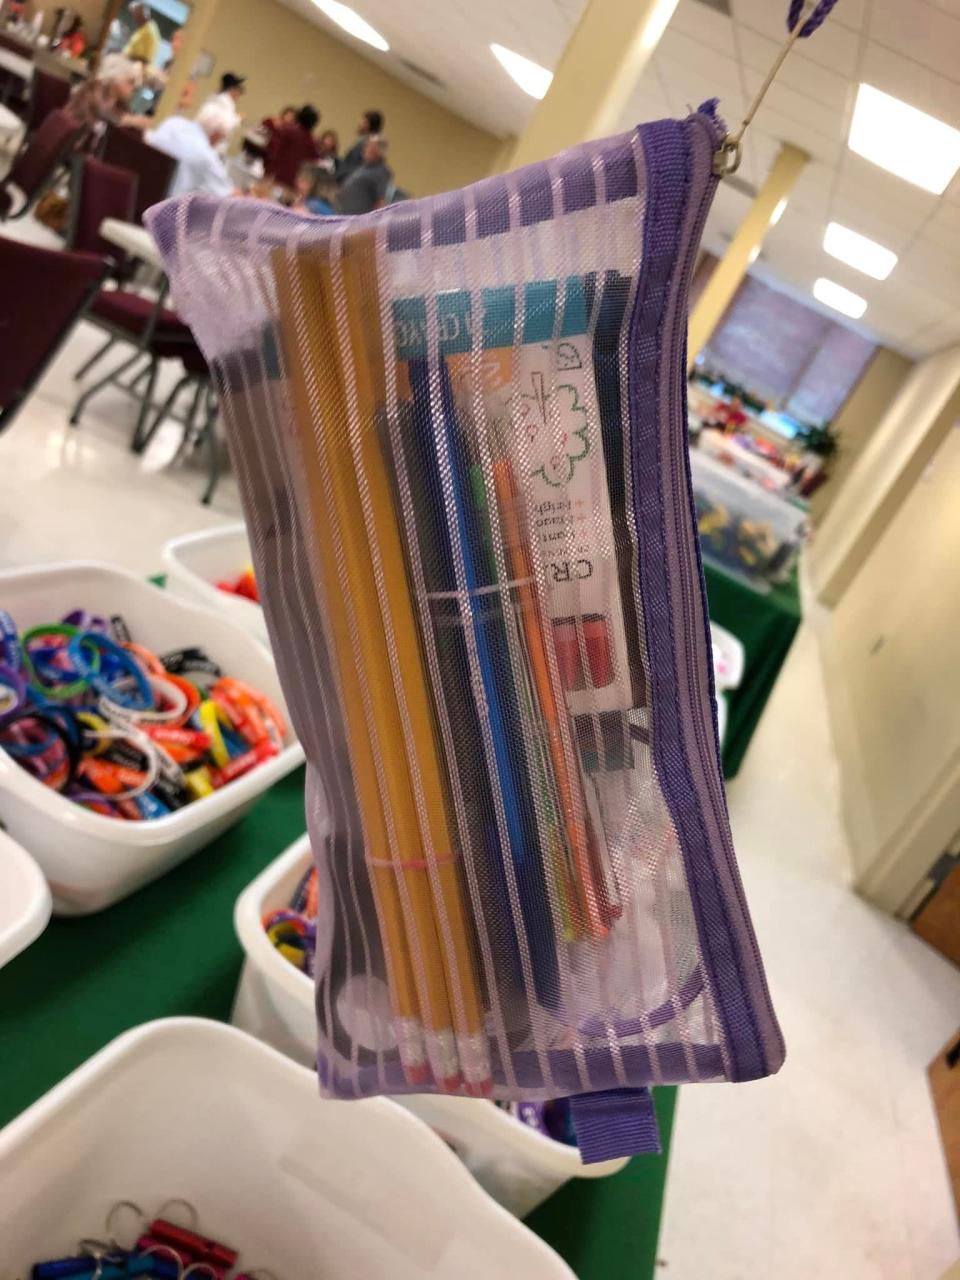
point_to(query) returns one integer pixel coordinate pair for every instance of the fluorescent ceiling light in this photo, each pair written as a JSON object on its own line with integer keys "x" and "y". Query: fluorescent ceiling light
{"x": 835, "y": 295}
{"x": 778, "y": 211}
{"x": 351, "y": 22}
{"x": 530, "y": 76}
{"x": 904, "y": 140}
{"x": 859, "y": 252}
{"x": 657, "y": 23}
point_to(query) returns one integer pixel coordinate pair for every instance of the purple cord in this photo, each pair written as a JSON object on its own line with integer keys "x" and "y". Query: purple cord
{"x": 815, "y": 20}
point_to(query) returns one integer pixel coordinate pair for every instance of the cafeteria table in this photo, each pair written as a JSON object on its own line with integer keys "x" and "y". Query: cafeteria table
{"x": 170, "y": 949}
{"x": 17, "y": 65}
{"x": 765, "y": 624}
{"x": 134, "y": 239}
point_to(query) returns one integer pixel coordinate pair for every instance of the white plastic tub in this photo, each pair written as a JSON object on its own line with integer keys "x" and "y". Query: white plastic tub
{"x": 89, "y": 860}
{"x": 24, "y": 899}
{"x": 751, "y": 533}
{"x": 729, "y": 657}
{"x": 302, "y": 1186}
{"x": 196, "y": 562}
{"x": 519, "y": 1167}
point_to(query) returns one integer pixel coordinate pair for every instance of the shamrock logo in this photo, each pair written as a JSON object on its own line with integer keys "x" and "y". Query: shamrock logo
{"x": 556, "y": 426}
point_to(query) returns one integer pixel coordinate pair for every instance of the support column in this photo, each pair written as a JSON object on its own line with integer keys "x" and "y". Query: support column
{"x": 743, "y": 248}
{"x": 192, "y": 42}
{"x": 595, "y": 77}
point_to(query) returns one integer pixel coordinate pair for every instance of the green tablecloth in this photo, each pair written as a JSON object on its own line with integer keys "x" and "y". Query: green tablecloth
{"x": 765, "y": 625}
{"x": 170, "y": 949}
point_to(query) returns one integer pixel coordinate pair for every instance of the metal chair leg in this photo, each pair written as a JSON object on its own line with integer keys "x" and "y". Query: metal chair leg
{"x": 79, "y": 407}
{"x": 138, "y": 446}
{"x": 190, "y": 436}
{"x": 209, "y": 428}
{"x": 88, "y": 364}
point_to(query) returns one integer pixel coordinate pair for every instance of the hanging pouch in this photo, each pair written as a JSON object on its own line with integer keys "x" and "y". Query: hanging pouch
{"x": 459, "y": 430}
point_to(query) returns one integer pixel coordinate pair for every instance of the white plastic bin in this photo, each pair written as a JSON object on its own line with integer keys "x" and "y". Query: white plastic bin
{"x": 751, "y": 533}
{"x": 24, "y": 899}
{"x": 302, "y": 1186}
{"x": 196, "y": 562}
{"x": 519, "y": 1167}
{"x": 729, "y": 658}
{"x": 89, "y": 860}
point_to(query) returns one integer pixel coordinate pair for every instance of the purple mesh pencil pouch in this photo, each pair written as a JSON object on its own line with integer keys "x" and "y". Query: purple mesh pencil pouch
{"x": 459, "y": 429}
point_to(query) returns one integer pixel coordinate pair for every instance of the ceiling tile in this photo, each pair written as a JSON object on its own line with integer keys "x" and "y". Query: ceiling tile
{"x": 943, "y": 228}
{"x": 704, "y": 24}
{"x": 902, "y": 203}
{"x": 828, "y": 87}
{"x": 818, "y": 145}
{"x": 833, "y": 46}
{"x": 935, "y": 271}
{"x": 868, "y": 219}
{"x": 919, "y": 31}
{"x": 905, "y": 79}
{"x": 800, "y": 106}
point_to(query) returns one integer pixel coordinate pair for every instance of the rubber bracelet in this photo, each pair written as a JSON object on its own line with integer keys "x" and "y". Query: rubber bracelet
{"x": 13, "y": 682}
{"x": 58, "y": 691}
{"x": 9, "y": 641}
{"x": 210, "y": 724}
{"x": 103, "y": 647}
{"x": 72, "y": 750}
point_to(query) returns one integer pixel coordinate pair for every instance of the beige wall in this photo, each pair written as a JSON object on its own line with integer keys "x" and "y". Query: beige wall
{"x": 885, "y": 473}
{"x": 859, "y": 418}
{"x": 892, "y": 650}
{"x": 289, "y": 59}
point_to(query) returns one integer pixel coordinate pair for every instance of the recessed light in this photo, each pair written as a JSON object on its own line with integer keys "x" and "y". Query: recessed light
{"x": 778, "y": 211}
{"x": 530, "y": 76}
{"x": 858, "y": 251}
{"x": 904, "y": 140}
{"x": 835, "y": 295}
{"x": 657, "y": 23}
{"x": 352, "y": 23}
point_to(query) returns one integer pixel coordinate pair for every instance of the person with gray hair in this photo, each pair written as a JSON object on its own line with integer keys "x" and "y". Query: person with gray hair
{"x": 193, "y": 143}
{"x": 367, "y": 188}
{"x": 106, "y": 96}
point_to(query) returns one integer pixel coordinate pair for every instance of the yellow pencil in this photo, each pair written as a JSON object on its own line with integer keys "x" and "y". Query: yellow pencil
{"x": 358, "y": 266}
{"x": 397, "y": 956}
{"x": 448, "y": 996}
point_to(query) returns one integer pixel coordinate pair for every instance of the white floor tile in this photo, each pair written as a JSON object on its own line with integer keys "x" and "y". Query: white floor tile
{"x": 79, "y": 493}
{"x": 833, "y": 1169}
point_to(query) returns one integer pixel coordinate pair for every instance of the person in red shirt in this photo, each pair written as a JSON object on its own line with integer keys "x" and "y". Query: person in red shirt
{"x": 290, "y": 147}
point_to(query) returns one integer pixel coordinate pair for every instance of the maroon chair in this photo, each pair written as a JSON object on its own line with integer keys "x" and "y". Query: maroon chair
{"x": 99, "y": 191}
{"x": 42, "y": 292}
{"x": 154, "y": 331}
{"x": 49, "y": 93}
{"x": 154, "y": 168}
{"x": 203, "y": 401}
{"x": 35, "y": 167}
{"x": 11, "y": 85}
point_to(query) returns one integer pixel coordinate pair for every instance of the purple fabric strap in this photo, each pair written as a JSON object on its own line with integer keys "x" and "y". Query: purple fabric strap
{"x": 615, "y": 1123}
{"x": 815, "y": 20}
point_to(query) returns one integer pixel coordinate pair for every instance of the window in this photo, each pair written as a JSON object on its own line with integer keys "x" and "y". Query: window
{"x": 787, "y": 353}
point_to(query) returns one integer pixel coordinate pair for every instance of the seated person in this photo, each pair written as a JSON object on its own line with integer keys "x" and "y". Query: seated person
{"x": 316, "y": 191}
{"x": 106, "y": 97}
{"x": 72, "y": 40}
{"x": 194, "y": 144}
{"x": 367, "y": 187}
